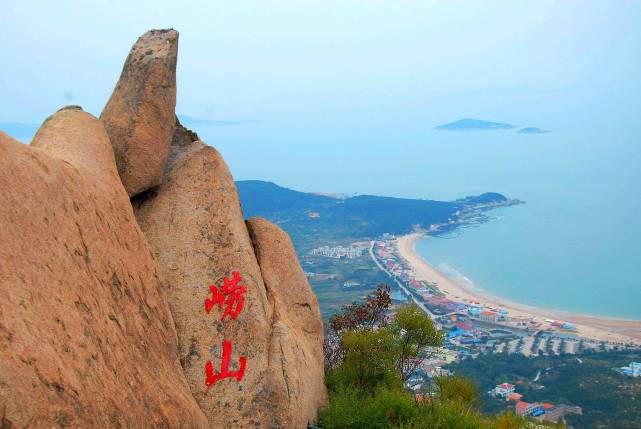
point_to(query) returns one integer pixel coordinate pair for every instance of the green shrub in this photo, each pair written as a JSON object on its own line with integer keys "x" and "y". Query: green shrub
{"x": 370, "y": 364}
{"x": 349, "y": 408}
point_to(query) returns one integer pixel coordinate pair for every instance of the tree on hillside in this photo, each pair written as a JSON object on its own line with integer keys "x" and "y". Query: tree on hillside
{"x": 456, "y": 388}
{"x": 368, "y": 359}
{"x": 369, "y": 362}
{"x": 417, "y": 339}
{"x": 366, "y": 316}
{"x": 354, "y": 317}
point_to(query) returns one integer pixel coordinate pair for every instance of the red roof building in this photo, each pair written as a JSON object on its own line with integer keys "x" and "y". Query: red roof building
{"x": 525, "y": 408}
{"x": 489, "y": 316}
{"x": 522, "y": 408}
{"x": 514, "y": 397}
{"x": 466, "y": 327}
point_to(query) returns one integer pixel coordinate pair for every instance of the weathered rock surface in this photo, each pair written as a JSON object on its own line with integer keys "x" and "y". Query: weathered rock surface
{"x": 297, "y": 330}
{"x": 139, "y": 116}
{"x": 86, "y": 335}
{"x": 104, "y": 326}
{"x": 194, "y": 224}
{"x": 76, "y": 137}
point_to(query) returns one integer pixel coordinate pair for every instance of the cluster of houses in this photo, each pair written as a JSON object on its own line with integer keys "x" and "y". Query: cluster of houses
{"x": 424, "y": 291}
{"x": 352, "y": 251}
{"x": 442, "y": 305}
{"x": 474, "y": 324}
{"x": 320, "y": 276}
{"x": 544, "y": 411}
{"x": 469, "y": 324}
{"x": 507, "y": 391}
{"x": 385, "y": 254}
{"x": 472, "y": 328}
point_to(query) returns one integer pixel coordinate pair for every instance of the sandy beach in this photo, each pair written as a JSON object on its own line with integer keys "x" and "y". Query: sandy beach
{"x": 597, "y": 328}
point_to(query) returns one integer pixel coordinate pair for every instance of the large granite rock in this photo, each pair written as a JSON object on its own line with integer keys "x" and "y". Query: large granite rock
{"x": 296, "y": 345}
{"x": 194, "y": 224}
{"x": 139, "y": 116}
{"x": 104, "y": 326}
{"x": 86, "y": 335}
{"x": 195, "y": 228}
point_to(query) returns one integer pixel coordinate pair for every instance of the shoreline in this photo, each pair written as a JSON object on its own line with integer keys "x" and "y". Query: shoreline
{"x": 590, "y": 327}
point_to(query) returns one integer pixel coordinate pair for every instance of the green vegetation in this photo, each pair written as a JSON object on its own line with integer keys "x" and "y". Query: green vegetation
{"x": 313, "y": 220}
{"x": 331, "y": 274}
{"x": 608, "y": 399}
{"x": 368, "y": 358}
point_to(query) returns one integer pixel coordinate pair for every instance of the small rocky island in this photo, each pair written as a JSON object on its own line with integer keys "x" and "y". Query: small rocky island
{"x": 474, "y": 124}
{"x": 532, "y": 130}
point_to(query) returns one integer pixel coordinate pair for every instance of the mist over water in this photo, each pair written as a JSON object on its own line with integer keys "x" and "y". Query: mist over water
{"x": 576, "y": 243}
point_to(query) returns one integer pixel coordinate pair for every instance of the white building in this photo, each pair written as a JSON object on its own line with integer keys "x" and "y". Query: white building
{"x": 502, "y": 390}
{"x": 338, "y": 252}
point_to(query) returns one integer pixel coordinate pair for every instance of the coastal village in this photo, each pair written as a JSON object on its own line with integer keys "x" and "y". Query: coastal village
{"x": 544, "y": 411}
{"x": 349, "y": 252}
{"x": 472, "y": 328}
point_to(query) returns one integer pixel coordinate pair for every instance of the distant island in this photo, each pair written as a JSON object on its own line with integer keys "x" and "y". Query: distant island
{"x": 532, "y": 130}
{"x": 310, "y": 217}
{"x": 474, "y": 124}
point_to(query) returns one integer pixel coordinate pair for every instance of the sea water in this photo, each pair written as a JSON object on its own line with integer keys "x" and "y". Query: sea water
{"x": 574, "y": 245}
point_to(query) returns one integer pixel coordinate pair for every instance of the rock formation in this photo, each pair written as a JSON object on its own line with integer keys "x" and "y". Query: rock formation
{"x": 139, "y": 116}
{"x": 297, "y": 330}
{"x": 195, "y": 228}
{"x": 113, "y": 315}
{"x": 86, "y": 336}
{"x": 194, "y": 225}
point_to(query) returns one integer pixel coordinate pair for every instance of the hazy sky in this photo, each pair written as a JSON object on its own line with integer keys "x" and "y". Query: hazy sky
{"x": 345, "y": 94}
{"x": 346, "y": 64}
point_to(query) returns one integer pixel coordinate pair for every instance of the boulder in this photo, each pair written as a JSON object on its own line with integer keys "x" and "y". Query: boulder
{"x": 194, "y": 224}
{"x": 132, "y": 293}
{"x": 139, "y": 116}
{"x": 195, "y": 228}
{"x": 86, "y": 335}
{"x": 76, "y": 137}
{"x": 296, "y": 345}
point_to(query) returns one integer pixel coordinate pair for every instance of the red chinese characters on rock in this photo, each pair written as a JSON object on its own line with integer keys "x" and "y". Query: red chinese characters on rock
{"x": 212, "y": 377}
{"x": 230, "y": 295}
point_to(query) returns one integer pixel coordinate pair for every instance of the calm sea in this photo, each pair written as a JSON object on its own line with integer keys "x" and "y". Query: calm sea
{"x": 576, "y": 243}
